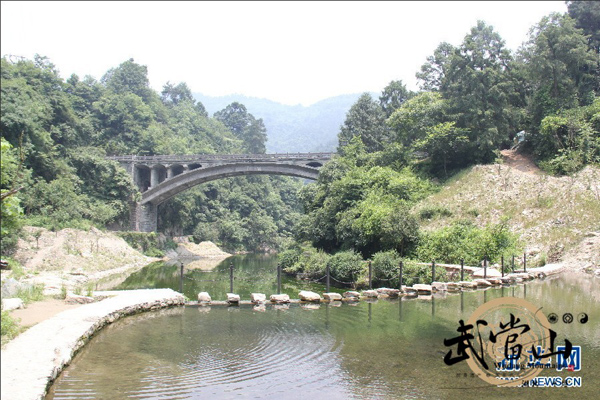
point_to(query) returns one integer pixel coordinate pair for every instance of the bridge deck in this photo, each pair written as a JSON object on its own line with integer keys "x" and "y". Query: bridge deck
{"x": 222, "y": 157}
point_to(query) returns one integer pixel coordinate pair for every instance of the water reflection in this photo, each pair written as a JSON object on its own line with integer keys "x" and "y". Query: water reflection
{"x": 252, "y": 273}
{"x": 369, "y": 350}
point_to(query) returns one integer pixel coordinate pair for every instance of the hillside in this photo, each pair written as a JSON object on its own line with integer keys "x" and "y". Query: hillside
{"x": 292, "y": 128}
{"x": 558, "y": 218}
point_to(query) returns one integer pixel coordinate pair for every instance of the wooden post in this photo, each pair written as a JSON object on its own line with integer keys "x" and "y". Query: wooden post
{"x": 502, "y": 265}
{"x": 512, "y": 267}
{"x": 231, "y": 278}
{"x": 433, "y": 271}
{"x": 278, "y": 279}
{"x": 181, "y": 279}
{"x": 525, "y": 262}
{"x": 370, "y": 276}
{"x": 484, "y": 267}
{"x": 327, "y": 282}
{"x": 462, "y": 269}
{"x": 400, "y": 276}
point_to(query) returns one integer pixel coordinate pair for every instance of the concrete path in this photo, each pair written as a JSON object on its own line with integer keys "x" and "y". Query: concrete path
{"x": 33, "y": 360}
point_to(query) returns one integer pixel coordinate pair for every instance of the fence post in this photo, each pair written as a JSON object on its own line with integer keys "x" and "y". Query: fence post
{"x": 278, "y": 278}
{"x": 502, "y": 265}
{"x": 525, "y": 262}
{"x": 327, "y": 281}
{"x": 400, "y": 277}
{"x": 462, "y": 269}
{"x": 485, "y": 267}
{"x": 512, "y": 266}
{"x": 181, "y": 278}
{"x": 231, "y": 278}
{"x": 370, "y": 276}
{"x": 433, "y": 271}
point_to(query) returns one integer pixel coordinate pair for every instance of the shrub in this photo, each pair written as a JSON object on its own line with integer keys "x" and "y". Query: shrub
{"x": 346, "y": 266}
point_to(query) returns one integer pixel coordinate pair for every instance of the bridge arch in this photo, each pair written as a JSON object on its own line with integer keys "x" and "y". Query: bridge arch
{"x": 164, "y": 176}
{"x": 179, "y": 183}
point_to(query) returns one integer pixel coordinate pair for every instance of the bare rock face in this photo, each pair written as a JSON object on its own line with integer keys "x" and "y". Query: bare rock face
{"x": 12, "y": 304}
{"x": 280, "y": 298}
{"x": 306, "y": 295}
{"x": 332, "y": 296}
{"x": 233, "y": 298}
{"x": 370, "y": 294}
{"x": 204, "y": 297}
{"x": 257, "y": 298}
{"x": 77, "y": 299}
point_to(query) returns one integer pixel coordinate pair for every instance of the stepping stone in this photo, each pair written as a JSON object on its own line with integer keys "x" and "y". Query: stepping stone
{"x": 439, "y": 286}
{"x": 204, "y": 297}
{"x": 306, "y": 295}
{"x": 422, "y": 288}
{"x": 332, "y": 296}
{"x": 233, "y": 298}
{"x": 351, "y": 294}
{"x": 279, "y": 298}
{"x": 258, "y": 298}
{"x": 370, "y": 294}
{"x": 389, "y": 292}
{"x": 482, "y": 283}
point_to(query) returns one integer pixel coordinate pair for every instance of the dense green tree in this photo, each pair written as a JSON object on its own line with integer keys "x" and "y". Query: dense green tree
{"x": 244, "y": 126}
{"x": 366, "y": 120}
{"x": 392, "y": 97}
{"x": 559, "y": 67}
{"x": 444, "y": 141}
{"x": 587, "y": 17}
{"x": 433, "y": 73}
{"x": 411, "y": 122}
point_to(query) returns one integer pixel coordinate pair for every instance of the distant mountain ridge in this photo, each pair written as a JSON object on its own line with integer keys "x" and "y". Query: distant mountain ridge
{"x": 292, "y": 128}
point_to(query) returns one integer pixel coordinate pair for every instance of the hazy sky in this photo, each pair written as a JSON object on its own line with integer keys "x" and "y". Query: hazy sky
{"x": 291, "y": 52}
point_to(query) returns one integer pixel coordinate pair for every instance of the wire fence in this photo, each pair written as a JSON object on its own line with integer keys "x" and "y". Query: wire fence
{"x": 380, "y": 277}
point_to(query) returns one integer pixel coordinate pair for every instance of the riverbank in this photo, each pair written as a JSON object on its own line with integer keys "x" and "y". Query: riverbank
{"x": 32, "y": 360}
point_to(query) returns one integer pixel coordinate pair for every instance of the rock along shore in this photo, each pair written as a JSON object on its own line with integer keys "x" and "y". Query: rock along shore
{"x": 35, "y": 358}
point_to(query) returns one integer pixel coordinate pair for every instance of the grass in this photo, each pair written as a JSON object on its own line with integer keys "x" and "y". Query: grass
{"x": 548, "y": 212}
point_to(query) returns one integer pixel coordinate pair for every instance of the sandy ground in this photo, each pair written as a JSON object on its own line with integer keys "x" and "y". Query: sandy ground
{"x": 40, "y": 311}
{"x": 73, "y": 259}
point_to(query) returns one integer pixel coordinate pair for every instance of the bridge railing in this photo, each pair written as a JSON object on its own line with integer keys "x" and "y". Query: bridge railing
{"x": 222, "y": 157}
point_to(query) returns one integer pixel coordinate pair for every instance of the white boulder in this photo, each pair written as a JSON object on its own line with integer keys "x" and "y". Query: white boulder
{"x": 204, "y": 297}
{"x": 258, "y": 297}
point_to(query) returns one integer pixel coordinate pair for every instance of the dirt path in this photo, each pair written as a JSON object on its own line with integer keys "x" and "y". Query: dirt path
{"x": 41, "y": 310}
{"x": 518, "y": 161}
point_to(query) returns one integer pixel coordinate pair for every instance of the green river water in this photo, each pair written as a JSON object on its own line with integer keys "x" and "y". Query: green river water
{"x": 387, "y": 349}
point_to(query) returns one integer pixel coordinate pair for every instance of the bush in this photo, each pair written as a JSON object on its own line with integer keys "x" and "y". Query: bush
{"x": 431, "y": 212}
{"x": 463, "y": 240}
{"x": 9, "y": 327}
{"x": 385, "y": 268}
{"x": 304, "y": 259}
{"x": 347, "y": 266}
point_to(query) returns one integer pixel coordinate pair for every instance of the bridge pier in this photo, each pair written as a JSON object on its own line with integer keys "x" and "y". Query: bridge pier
{"x": 144, "y": 217}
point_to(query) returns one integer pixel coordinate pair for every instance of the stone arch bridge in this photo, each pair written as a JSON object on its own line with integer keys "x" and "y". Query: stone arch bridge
{"x": 161, "y": 177}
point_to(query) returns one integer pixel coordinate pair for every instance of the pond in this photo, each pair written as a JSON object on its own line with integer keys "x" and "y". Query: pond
{"x": 389, "y": 349}
{"x": 252, "y": 273}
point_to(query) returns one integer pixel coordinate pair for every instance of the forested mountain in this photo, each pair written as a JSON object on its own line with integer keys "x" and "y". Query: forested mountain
{"x": 56, "y": 134}
{"x": 292, "y": 128}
